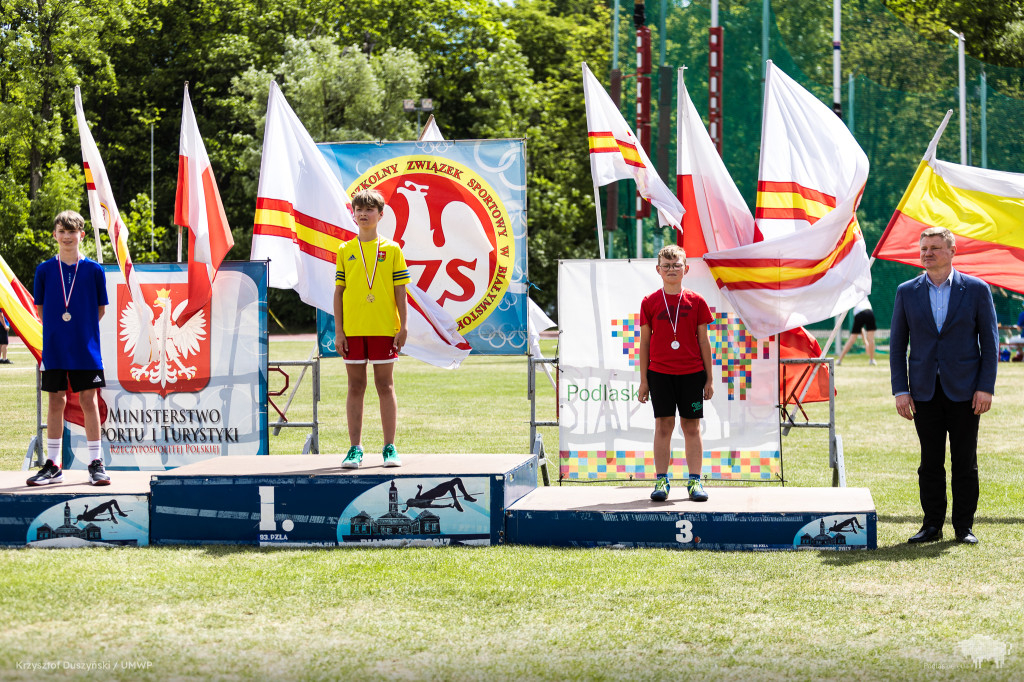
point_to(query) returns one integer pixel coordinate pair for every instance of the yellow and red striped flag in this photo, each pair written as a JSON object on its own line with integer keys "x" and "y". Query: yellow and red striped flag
{"x": 18, "y": 305}
{"x": 103, "y": 211}
{"x": 198, "y": 207}
{"x": 812, "y": 264}
{"x": 983, "y": 208}
{"x": 616, "y": 153}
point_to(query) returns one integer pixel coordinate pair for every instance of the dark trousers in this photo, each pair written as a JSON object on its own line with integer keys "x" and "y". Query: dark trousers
{"x": 934, "y": 420}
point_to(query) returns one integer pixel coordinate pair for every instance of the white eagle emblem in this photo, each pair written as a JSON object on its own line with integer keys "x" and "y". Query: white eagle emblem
{"x": 170, "y": 343}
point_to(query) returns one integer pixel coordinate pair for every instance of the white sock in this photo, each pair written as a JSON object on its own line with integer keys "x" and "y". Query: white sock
{"x": 95, "y": 451}
{"x": 53, "y": 450}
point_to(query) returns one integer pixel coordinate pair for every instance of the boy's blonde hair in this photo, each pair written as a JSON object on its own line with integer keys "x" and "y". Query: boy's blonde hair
{"x": 369, "y": 198}
{"x": 69, "y": 220}
{"x": 672, "y": 252}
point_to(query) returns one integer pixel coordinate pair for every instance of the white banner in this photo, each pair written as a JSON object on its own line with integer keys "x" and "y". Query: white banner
{"x": 604, "y": 431}
{"x": 204, "y": 394}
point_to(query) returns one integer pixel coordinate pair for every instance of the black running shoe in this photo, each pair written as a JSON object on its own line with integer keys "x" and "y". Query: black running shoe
{"x": 50, "y": 473}
{"x": 98, "y": 474}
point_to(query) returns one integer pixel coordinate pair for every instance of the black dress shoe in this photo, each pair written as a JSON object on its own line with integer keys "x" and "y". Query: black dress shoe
{"x": 966, "y": 536}
{"x": 926, "y": 534}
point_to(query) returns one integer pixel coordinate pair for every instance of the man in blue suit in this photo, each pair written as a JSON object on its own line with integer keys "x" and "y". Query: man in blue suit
{"x": 950, "y": 322}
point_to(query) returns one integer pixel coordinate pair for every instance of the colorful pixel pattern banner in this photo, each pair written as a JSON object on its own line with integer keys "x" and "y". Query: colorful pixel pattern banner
{"x": 458, "y": 210}
{"x": 604, "y": 431}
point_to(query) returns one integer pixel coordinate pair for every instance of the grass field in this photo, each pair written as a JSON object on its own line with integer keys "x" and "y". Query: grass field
{"x": 532, "y": 613}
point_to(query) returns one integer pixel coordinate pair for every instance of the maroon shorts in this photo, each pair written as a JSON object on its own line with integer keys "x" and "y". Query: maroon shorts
{"x": 376, "y": 350}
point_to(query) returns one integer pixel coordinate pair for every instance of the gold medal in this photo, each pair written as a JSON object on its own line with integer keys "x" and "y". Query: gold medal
{"x": 370, "y": 298}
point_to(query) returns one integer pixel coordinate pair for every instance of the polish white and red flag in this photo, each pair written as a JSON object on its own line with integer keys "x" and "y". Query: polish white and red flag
{"x": 197, "y": 206}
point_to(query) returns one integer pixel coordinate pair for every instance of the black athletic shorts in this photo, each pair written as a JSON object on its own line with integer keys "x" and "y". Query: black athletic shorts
{"x": 682, "y": 392}
{"x": 864, "y": 320}
{"x": 57, "y": 380}
{"x": 3, "y": 335}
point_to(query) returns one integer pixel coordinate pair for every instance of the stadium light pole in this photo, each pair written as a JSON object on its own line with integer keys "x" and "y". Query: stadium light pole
{"x": 963, "y": 94}
{"x": 424, "y": 105}
{"x": 837, "y": 79}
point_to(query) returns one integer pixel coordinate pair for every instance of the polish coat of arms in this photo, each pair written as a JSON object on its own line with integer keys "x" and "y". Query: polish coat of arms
{"x": 179, "y": 360}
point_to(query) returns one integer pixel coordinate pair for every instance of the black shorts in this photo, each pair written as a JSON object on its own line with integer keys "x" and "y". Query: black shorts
{"x": 684, "y": 392}
{"x": 864, "y": 320}
{"x": 57, "y": 380}
{"x": 3, "y": 335}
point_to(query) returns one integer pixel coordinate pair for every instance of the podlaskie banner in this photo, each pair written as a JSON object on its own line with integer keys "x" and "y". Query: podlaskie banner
{"x": 203, "y": 392}
{"x": 604, "y": 431}
{"x": 458, "y": 210}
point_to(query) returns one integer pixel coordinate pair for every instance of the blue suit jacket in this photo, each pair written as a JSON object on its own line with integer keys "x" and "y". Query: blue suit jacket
{"x": 965, "y": 353}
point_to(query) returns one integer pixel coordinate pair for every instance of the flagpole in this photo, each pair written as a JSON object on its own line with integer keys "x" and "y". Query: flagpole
{"x": 593, "y": 179}
{"x": 928, "y": 156}
{"x": 597, "y": 209}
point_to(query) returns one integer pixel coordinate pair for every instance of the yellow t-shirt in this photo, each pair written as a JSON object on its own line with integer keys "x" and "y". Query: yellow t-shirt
{"x": 365, "y": 317}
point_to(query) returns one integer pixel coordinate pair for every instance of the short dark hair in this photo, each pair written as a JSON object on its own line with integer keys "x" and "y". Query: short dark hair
{"x": 72, "y": 220}
{"x": 369, "y": 198}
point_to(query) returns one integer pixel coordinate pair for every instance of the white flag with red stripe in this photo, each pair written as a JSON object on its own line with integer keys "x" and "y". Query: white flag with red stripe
{"x": 812, "y": 264}
{"x": 198, "y": 207}
{"x": 303, "y": 215}
{"x": 616, "y": 153}
{"x": 103, "y": 212}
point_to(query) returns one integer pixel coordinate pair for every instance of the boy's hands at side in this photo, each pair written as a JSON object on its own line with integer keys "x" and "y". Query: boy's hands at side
{"x": 400, "y": 339}
{"x": 341, "y": 343}
{"x": 644, "y": 393}
{"x": 709, "y": 388}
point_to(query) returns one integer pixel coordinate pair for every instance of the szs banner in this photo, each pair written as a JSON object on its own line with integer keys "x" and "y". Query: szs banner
{"x": 458, "y": 210}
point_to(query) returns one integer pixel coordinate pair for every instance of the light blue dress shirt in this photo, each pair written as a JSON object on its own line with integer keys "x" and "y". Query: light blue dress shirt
{"x": 939, "y": 297}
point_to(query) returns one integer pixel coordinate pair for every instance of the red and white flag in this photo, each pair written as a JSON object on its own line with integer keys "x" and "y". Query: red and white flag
{"x": 716, "y": 217}
{"x": 302, "y": 217}
{"x": 198, "y": 207}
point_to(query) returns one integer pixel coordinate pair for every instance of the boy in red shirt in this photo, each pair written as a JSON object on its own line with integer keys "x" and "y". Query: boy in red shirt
{"x": 675, "y": 369}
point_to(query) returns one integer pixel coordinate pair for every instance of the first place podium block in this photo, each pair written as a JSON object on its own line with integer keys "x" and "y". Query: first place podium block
{"x": 309, "y": 500}
{"x": 734, "y": 518}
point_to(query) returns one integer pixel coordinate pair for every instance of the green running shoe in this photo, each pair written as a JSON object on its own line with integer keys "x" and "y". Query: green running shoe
{"x": 697, "y": 493}
{"x": 354, "y": 458}
{"x": 661, "y": 488}
{"x": 391, "y": 456}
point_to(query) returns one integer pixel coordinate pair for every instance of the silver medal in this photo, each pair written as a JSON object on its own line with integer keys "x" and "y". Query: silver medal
{"x": 675, "y": 345}
{"x": 66, "y": 316}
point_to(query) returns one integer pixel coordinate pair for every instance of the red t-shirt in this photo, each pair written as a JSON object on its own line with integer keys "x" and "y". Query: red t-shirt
{"x": 693, "y": 312}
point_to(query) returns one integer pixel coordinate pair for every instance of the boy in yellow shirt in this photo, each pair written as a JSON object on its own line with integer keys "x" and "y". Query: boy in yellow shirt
{"x": 370, "y": 311}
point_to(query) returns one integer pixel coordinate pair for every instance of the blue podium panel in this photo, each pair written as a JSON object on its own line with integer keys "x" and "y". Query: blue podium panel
{"x": 74, "y": 513}
{"x": 309, "y": 500}
{"x": 732, "y": 519}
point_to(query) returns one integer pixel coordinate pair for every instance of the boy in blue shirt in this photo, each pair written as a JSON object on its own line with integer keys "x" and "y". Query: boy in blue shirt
{"x": 71, "y": 297}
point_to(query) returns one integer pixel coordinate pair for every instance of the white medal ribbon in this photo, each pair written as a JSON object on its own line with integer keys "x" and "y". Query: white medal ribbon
{"x": 673, "y": 321}
{"x": 366, "y": 271}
